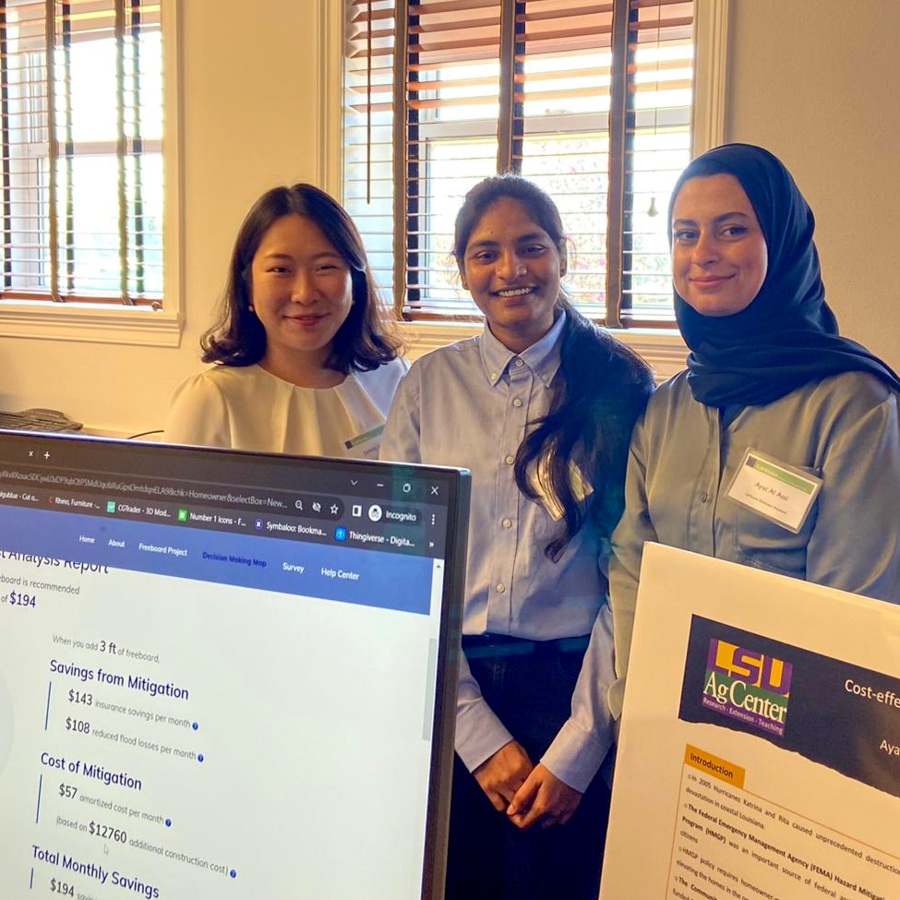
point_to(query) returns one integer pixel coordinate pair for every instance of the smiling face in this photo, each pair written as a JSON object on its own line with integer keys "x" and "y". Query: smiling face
{"x": 512, "y": 268}
{"x": 719, "y": 254}
{"x": 301, "y": 293}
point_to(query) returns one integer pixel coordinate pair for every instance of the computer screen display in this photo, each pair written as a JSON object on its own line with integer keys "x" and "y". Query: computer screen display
{"x": 224, "y": 675}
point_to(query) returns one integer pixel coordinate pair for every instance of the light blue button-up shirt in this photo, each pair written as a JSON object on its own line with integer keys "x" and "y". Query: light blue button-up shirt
{"x": 468, "y": 405}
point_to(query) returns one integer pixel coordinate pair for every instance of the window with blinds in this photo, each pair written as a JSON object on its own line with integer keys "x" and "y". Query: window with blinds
{"x": 81, "y": 134}
{"x": 590, "y": 100}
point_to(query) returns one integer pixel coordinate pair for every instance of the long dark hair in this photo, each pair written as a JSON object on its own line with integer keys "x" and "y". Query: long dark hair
{"x": 600, "y": 389}
{"x": 363, "y": 342}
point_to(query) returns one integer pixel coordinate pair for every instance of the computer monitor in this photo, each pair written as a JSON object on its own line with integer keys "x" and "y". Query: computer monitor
{"x": 224, "y": 675}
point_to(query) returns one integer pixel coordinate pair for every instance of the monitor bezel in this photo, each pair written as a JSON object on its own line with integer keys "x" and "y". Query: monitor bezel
{"x": 132, "y": 458}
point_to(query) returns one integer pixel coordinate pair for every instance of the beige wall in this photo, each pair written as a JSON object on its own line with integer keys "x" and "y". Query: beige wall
{"x": 817, "y": 82}
{"x": 819, "y": 91}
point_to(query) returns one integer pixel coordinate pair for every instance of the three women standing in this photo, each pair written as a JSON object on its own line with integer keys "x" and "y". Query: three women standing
{"x": 540, "y": 407}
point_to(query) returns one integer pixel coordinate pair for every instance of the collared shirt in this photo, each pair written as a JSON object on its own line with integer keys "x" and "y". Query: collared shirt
{"x": 684, "y": 457}
{"x": 468, "y": 405}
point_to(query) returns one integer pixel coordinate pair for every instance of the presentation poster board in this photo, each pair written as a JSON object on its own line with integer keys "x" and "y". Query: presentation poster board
{"x": 759, "y": 756}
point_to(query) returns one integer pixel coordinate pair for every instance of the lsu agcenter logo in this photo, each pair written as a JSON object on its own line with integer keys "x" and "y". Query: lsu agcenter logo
{"x": 747, "y": 685}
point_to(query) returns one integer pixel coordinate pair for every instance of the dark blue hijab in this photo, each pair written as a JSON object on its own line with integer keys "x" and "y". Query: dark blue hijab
{"x": 788, "y": 335}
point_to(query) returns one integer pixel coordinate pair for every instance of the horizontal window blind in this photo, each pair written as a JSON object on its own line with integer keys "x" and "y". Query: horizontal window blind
{"x": 368, "y": 122}
{"x": 656, "y": 146}
{"x": 453, "y": 64}
{"x": 590, "y": 100}
{"x": 81, "y": 135}
{"x": 561, "y": 127}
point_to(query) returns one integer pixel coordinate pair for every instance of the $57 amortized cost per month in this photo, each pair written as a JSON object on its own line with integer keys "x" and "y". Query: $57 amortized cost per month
{"x": 98, "y": 829}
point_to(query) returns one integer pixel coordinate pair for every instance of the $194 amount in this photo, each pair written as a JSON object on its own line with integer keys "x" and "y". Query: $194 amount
{"x": 23, "y": 601}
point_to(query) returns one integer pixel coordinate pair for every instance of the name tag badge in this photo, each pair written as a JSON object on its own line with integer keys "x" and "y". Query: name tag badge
{"x": 365, "y": 445}
{"x": 782, "y": 493}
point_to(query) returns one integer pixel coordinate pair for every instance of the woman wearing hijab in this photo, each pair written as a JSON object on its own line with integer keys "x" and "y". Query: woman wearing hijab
{"x": 769, "y": 382}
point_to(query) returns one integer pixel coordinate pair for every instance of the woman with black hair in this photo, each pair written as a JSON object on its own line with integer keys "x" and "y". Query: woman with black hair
{"x": 768, "y": 379}
{"x": 540, "y": 407}
{"x": 305, "y": 362}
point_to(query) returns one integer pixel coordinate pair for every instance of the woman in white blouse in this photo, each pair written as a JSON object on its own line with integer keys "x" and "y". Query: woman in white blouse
{"x": 304, "y": 361}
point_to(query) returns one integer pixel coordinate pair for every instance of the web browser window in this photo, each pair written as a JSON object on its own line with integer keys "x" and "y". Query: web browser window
{"x": 224, "y": 675}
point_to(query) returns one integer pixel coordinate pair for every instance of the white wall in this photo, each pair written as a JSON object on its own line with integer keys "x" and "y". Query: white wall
{"x": 817, "y": 82}
{"x": 821, "y": 92}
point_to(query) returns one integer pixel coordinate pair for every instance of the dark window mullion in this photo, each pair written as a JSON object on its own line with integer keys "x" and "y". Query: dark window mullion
{"x": 509, "y": 122}
{"x": 518, "y": 119}
{"x": 507, "y": 86}
{"x": 5, "y": 147}
{"x": 621, "y": 112}
{"x": 69, "y": 148}
{"x": 625, "y": 298}
{"x": 52, "y": 148}
{"x": 369, "y": 102}
{"x": 414, "y": 167}
{"x": 121, "y": 153}
{"x": 401, "y": 150}
{"x": 137, "y": 147}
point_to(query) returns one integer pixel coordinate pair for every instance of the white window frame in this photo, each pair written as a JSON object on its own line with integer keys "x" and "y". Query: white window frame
{"x": 113, "y": 324}
{"x": 663, "y": 348}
